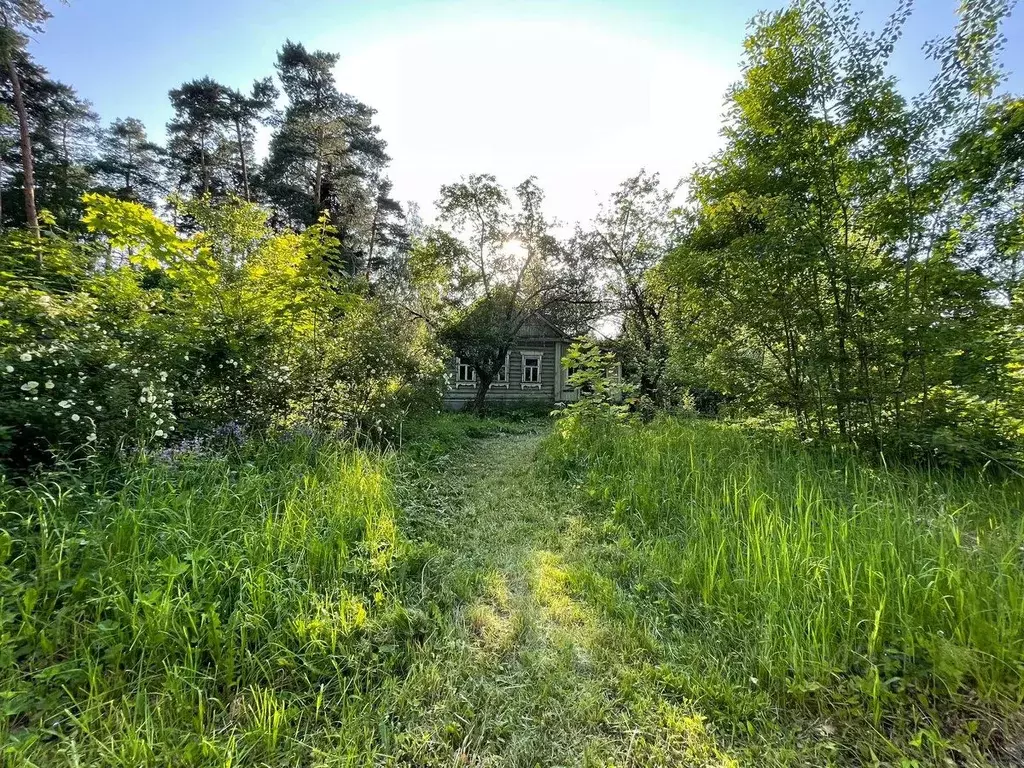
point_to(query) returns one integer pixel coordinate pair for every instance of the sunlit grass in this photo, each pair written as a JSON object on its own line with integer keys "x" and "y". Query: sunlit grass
{"x": 213, "y": 609}
{"x": 678, "y": 594}
{"x": 833, "y": 586}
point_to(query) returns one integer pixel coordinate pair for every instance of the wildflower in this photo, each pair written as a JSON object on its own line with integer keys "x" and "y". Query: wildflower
{"x": 64, "y": 404}
{"x": 48, "y": 385}
{"x": 99, "y": 407}
{"x": 75, "y": 417}
{"x": 91, "y": 438}
{"x": 30, "y": 386}
{"x": 26, "y": 357}
{"x": 10, "y": 369}
{"x": 159, "y": 433}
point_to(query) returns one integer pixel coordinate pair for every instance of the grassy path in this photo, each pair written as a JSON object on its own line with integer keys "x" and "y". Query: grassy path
{"x": 664, "y": 599}
{"x": 545, "y": 679}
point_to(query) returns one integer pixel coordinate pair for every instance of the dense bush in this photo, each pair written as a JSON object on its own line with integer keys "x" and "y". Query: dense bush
{"x": 141, "y": 334}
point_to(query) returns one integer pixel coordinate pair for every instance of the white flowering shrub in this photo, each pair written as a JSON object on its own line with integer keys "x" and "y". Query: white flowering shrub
{"x": 143, "y": 337}
{"x": 75, "y": 388}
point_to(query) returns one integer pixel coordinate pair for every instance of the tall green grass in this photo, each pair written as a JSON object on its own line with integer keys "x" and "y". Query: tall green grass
{"x": 217, "y": 611}
{"x": 822, "y": 580}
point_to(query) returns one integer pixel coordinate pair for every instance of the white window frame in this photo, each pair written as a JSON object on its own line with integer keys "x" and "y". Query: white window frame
{"x": 523, "y": 383}
{"x": 460, "y": 382}
{"x": 499, "y": 379}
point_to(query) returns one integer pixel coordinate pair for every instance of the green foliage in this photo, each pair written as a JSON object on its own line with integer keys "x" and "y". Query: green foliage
{"x": 62, "y": 128}
{"x": 327, "y": 156}
{"x": 832, "y": 265}
{"x": 128, "y": 165}
{"x": 604, "y": 397}
{"x": 986, "y": 167}
{"x": 628, "y": 239}
{"x": 145, "y": 335}
{"x": 509, "y": 270}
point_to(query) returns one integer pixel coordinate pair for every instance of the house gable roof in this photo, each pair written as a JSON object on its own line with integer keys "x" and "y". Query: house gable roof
{"x": 537, "y": 326}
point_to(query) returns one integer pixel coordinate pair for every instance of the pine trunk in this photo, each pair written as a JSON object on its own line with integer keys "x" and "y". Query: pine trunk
{"x": 241, "y": 157}
{"x": 128, "y": 170}
{"x": 31, "y": 217}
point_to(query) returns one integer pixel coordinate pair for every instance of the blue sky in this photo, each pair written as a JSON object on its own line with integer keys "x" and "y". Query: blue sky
{"x": 580, "y": 93}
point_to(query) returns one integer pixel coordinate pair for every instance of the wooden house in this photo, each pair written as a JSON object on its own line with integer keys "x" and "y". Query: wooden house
{"x": 532, "y": 374}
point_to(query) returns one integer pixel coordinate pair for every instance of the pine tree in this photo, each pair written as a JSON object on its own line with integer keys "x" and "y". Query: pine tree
{"x": 18, "y": 17}
{"x": 327, "y": 155}
{"x": 198, "y": 143}
{"x": 62, "y": 132}
{"x": 244, "y": 111}
{"x": 129, "y": 165}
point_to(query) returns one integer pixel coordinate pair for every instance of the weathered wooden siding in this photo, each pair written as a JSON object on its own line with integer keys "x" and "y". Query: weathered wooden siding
{"x": 551, "y": 389}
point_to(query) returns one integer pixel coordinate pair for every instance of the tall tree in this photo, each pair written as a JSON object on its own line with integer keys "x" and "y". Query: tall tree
{"x": 491, "y": 289}
{"x": 62, "y": 136}
{"x": 986, "y": 169}
{"x": 823, "y": 235}
{"x": 631, "y": 234}
{"x": 244, "y": 111}
{"x": 478, "y": 207}
{"x": 197, "y": 137}
{"x": 65, "y": 147}
{"x": 17, "y": 19}
{"x": 327, "y": 155}
{"x": 388, "y": 233}
{"x": 312, "y": 136}
{"x": 129, "y": 165}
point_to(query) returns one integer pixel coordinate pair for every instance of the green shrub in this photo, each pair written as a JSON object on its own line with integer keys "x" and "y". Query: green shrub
{"x": 604, "y": 398}
{"x": 142, "y": 335}
{"x": 956, "y": 428}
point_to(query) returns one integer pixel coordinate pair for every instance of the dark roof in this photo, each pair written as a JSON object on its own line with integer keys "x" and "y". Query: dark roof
{"x": 559, "y": 332}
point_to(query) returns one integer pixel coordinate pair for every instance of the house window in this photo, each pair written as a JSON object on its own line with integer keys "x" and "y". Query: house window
{"x": 531, "y": 370}
{"x": 465, "y": 374}
{"x": 501, "y": 380}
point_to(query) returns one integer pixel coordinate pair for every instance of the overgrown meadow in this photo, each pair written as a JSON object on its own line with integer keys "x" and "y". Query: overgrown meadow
{"x": 882, "y": 606}
{"x": 179, "y": 613}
